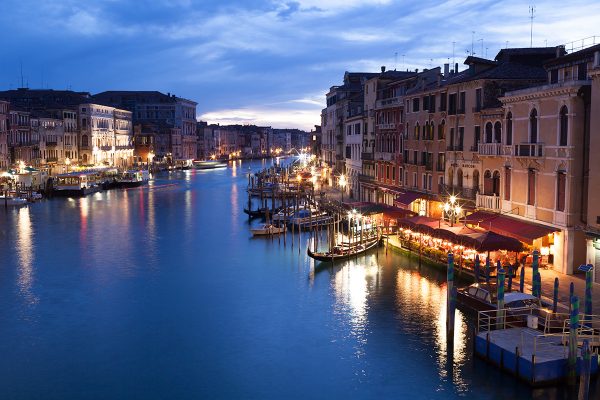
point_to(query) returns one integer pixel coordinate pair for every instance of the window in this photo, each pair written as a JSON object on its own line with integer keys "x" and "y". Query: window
{"x": 554, "y": 76}
{"x": 497, "y": 132}
{"x": 431, "y": 131}
{"x": 476, "y": 181}
{"x": 488, "y": 132}
{"x": 349, "y": 130}
{"x": 426, "y": 103}
{"x": 429, "y": 179}
{"x": 582, "y": 72}
{"x": 509, "y": 127}
{"x": 561, "y": 180}
{"x": 496, "y": 183}
{"x": 477, "y": 138}
{"x": 424, "y": 181}
{"x": 387, "y": 172}
{"x": 533, "y": 126}
{"x": 357, "y": 129}
{"x": 452, "y": 104}
{"x": 441, "y": 131}
{"x": 463, "y": 100}
{"x": 417, "y": 131}
{"x": 478, "y": 99}
{"x": 451, "y": 138}
{"x": 415, "y": 157}
{"x": 487, "y": 183}
{"x": 432, "y": 103}
{"x": 348, "y": 152}
{"x": 461, "y": 137}
{"x": 531, "y": 187}
{"x": 84, "y": 141}
{"x": 507, "y": 176}
{"x": 443, "y": 101}
{"x": 393, "y": 173}
{"x": 564, "y": 126}
{"x": 440, "y": 161}
{"x": 415, "y": 107}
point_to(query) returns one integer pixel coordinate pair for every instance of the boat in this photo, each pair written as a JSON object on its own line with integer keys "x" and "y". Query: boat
{"x": 288, "y": 213}
{"x": 261, "y": 212}
{"x": 306, "y": 219}
{"x": 12, "y": 201}
{"x": 208, "y": 164}
{"x": 482, "y": 297}
{"x": 268, "y": 229}
{"x": 344, "y": 250}
{"x": 133, "y": 178}
{"x": 77, "y": 184}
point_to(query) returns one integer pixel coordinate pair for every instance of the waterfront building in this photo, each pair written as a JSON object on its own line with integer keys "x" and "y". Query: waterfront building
{"x": 49, "y": 133}
{"x": 21, "y": 146}
{"x": 106, "y": 136}
{"x": 4, "y": 152}
{"x": 592, "y": 215}
{"x": 177, "y": 115}
{"x": 353, "y": 131}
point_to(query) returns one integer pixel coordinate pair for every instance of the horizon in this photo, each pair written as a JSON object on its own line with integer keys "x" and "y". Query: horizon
{"x": 266, "y": 63}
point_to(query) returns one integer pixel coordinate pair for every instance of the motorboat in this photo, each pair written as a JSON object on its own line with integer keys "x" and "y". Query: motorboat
{"x": 267, "y": 230}
{"x": 12, "y": 201}
{"x": 208, "y": 164}
{"x": 77, "y": 184}
{"x": 309, "y": 218}
{"x": 132, "y": 178}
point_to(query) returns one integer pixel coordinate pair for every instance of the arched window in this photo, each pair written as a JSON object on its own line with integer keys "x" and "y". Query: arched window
{"x": 432, "y": 131}
{"x": 84, "y": 141}
{"x": 488, "y": 132}
{"x": 497, "y": 132}
{"x": 496, "y": 183}
{"x": 487, "y": 182}
{"x": 509, "y": 129}
{"x": 564, "y": 126}
{"x": 476, "y": 181}
{"x": 533, "y": 126}
{"x": 426, "y": 131}
{"x": 507, "y": 178}
{"x": 441, "y": 131}
{"x": 459, "y": 178}
{"x": 450, "y": 177}
{"x": 417, "y": 131}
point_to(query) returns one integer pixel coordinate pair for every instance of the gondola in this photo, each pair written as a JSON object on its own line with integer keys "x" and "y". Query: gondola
{"x": 261, "y": 212}
{"x": 342, "y": 252}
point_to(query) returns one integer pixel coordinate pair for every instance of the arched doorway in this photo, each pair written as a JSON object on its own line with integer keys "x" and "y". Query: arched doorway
{"x": 450, "y": 182}
{"x": 459, "y": 178}
{"x": 496, "y": 183}
{"x": 476, "y": 181}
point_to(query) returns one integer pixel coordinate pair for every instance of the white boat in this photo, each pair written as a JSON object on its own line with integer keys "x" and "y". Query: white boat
{"x": 132, "y": 178}
{"x": 12, "y": 201}
{"x": 306, "y": 219}
{"x": 209, "y": 164}
{"x": 267, "y": 229}
{"x": 288, "y": 213}
{"x": 77, "y": 184}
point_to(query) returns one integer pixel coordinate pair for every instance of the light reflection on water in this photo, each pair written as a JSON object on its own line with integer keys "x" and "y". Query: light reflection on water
{"x": 25, "y": 251}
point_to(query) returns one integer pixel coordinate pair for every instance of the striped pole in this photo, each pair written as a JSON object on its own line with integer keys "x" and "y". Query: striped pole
{"x": 555, "y": 296}
{"x": 574, "y": 324}
{"x": 588, "y": 293}
{"x": 476, "y": 267}
{"x": 538, "y": 285}
{"x": 534, "y": 272}
{"x": 584, "y": 379}
{"x": 450, "y": 304}
{"x": 500, "y": 296}
{"x": 487, "y": 270}
{"x": 510, "y": 276}
{"x": 522, "y": 280}
{"x": 571, "y": 294}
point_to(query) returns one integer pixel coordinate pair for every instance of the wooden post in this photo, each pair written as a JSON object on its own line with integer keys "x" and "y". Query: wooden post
{"x": 588, "y": 293}
{"x": 450, "y": 300}
{"x": 522, "y": 280}
{"x": 574, "y": 324}
{"x": 584, "y": 379}
{"x": 555, "y": 296}
{"x": 571, "y": 294}
{"x": 500, "y": 301}
{"x": 510, "y": 274}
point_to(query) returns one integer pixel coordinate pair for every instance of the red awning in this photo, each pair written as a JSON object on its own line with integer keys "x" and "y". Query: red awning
{"x": 515, "y": 228}
{"x": 406, "y": 198}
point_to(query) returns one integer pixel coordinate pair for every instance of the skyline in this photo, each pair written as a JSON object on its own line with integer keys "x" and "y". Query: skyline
{"x": 262, "y": 62}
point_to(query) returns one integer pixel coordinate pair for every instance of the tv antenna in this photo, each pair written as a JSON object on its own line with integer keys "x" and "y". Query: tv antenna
{"x": 531, "y": 17}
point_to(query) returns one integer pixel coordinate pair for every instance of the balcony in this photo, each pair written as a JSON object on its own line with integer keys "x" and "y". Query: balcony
{"x": 106, "y": 148}
{"x": 386, "y": 126}
{"x": 366, "y": 178}
{"x": 529, "y": 150}
{"x": 51, "y": 159}
{"x": 389, "y": 102}
{"x": 460, "y": 192}
{"x": 456, "y": 147}
{"x": 124, "y": 147}
{"x": 51, "y": 143}
{"x": 366, "y": 156}
{"x": 488, "y": 202}
{"x": 490, "y": 149}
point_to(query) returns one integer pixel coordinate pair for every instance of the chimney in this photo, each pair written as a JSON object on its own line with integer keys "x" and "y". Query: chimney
{"x": 597, "y": 59}
{"x": 417, "y": 70}
{"x": 456, "y": 68}
{"x": 446, "y": 70}
{"x": 382, "y": 69}
{"x": 560, "y": 51}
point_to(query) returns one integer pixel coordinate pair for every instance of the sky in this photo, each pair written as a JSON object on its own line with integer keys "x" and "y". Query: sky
{"x": 265, "y": 62}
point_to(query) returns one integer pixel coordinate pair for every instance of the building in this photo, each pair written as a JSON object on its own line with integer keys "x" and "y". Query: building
{"x": 4, "y": 123}
{"x": 106, "y": 137}
{"x": 174, "y": 117}
{"x": 22, "y": 147}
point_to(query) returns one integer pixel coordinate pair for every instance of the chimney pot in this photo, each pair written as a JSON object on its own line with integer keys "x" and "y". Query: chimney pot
{"x": 456, "y": 68}
{"x": 382, "y": 68}
{"x": 446, "y": 70}
{"x": 597, "y": 59}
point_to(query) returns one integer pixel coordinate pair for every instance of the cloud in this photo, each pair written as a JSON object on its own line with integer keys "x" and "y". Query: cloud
{"x": 266, "y": 116}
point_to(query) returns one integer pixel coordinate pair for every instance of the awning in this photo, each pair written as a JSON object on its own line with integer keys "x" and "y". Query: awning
{"x": 515, "y": 228}
{"x": 405, "y": 199}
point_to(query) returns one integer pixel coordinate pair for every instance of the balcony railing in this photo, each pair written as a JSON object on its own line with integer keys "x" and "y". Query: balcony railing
{"x": 366, "y": 156}
{"x": 386, "y": 126}
{"x": 366, "y": 178}
{"x": 488, "y": 202}
{"x": 460, "y": 192}
{"x": 389, "y": 102}
{"x": 456, "y": 147}
{"x": 490, "y": 149}
{"x": 529, "y": 150}
{"x": 51, "y": 159}
{"x": 105, "y": 148}
{"x": 51, "y": 143}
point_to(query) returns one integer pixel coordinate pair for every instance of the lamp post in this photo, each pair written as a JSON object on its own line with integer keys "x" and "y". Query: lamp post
{"x": 343, "y": 183}
{"x": 68, "y": 163}
{"x": 452, "y": 208}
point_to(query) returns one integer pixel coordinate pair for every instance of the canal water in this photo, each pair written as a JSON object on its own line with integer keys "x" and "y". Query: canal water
{"x": 161, "y": 293}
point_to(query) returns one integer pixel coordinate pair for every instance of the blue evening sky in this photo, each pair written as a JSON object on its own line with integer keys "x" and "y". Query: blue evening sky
{"x": 268, "y": 62}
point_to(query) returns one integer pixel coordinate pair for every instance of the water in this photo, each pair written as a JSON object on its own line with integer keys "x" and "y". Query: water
{"x": 160, "y": 292}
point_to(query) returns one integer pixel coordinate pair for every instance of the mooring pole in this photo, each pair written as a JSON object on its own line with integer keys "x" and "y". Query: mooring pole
{"x": 574, "y": 324}
{"x": 522, "y": 279}
{"x": 584, "y": 378}
{"x": 500, "y": 297}
{"x": 555, "y": 296}
{"x": 450, "y": 300}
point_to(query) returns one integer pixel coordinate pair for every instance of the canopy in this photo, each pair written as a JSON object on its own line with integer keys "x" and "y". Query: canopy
{"x": 405, "y": 199}
{"x": 490, "y": 241}
{"x": 515, "y": 228}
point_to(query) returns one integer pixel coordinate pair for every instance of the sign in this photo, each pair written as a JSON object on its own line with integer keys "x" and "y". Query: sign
{"x": 585, "y": 268}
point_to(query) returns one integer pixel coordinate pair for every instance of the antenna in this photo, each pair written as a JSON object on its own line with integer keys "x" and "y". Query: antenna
{"x": 481, "y": 40}
{"x": 453, "y": 46}
{"x": 395, "y": 60}
{"x": 507, "y": 44}
{"x": 532, "y": 16}
{"x": 472, "y": 41}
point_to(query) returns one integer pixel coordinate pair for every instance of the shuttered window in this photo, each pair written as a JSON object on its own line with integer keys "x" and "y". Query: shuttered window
{"x": 561, "y": 181}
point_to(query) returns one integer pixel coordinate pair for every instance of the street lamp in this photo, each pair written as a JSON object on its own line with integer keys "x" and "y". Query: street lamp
{"x": 453, "y": 209}
{"x": 343, "y": 182}
{"x": 68, "y": 163}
